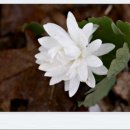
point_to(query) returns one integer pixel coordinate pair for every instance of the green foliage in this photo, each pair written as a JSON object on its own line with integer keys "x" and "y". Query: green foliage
{"x": 100, "y": 91}
{"x": 35, "y": 27}
{"x": 125, "y": 29}
{"x": 118, "y": 64}
{"x": 116, "y": 60}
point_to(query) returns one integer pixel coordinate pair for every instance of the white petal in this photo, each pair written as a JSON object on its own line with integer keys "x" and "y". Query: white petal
{"x": 59, "y": 34}
{"x": 73, "y": 86}
{"x": 48, "y": 42}
{"x": 39, "y": 55}
{"x": 66, "y": 85}
{"x": 52, "y": 52}
{"x": 39, "y": 62}
{"x": 55, "y": 80}
{"x": 83, "y": 73}
{"x": 73, "y": 28}
{"x": 94, "y": 61}
{"x": 72, "y": 70}
{"x": 84, "y": 40}
{"x": 47, "y": 66}
{"x": 72, "y": 52}
{"x": 44, "y": 67}
{"x": 102, "y": 70}
{"x": 94, "y": 108}
{"x": 95, "y": 27}
{"x": 90, "y": 38}
{"x": 71, "y": 73}
{"x": 104, "y": 49}
{"x": 91, "y": 80}
{"x": 42, "y": 49}
{"x": 57, "y": 71}
{"x": 88, "y": 29}
{"x": 43, "y": 56}
{"x": 75, "y": 64}
{"x": 95, "y": 45}
{"x": 62, "y": 58}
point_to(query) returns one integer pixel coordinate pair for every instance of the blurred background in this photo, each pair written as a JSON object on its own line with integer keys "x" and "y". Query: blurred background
{"x": 22, "y": 86}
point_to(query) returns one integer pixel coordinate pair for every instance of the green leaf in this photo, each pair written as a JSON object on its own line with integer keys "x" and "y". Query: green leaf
{"x": 101, "y": 90}
{"x": 118, "y": 64}
{"x": 117, "y": 34}
{"x": 125, "y": 28}
{"x": 35, "y": 27}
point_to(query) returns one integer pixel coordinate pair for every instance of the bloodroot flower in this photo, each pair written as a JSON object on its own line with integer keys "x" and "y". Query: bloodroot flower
{"x": 72, "y": 56}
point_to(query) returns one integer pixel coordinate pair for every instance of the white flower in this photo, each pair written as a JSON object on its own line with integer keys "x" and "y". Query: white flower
{"x": 71, "y": 56}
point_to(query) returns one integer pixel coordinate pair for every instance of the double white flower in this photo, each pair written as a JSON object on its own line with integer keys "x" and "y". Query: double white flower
{"x": 72, "y": 56}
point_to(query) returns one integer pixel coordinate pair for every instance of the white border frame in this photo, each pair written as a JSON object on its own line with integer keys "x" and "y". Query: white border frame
{"x": 64, "y": 120}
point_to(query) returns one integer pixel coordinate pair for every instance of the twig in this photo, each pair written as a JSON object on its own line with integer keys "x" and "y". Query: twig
{"x": 108, "y": 9}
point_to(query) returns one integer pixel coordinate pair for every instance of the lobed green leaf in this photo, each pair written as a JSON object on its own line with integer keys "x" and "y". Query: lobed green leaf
{"x": 118, "y": 64}
{"x": 101, "y": 90}
{"x": 118, "y": 34}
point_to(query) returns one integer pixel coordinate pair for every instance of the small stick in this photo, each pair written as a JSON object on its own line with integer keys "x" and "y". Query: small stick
{"x": 108, "y": 9}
